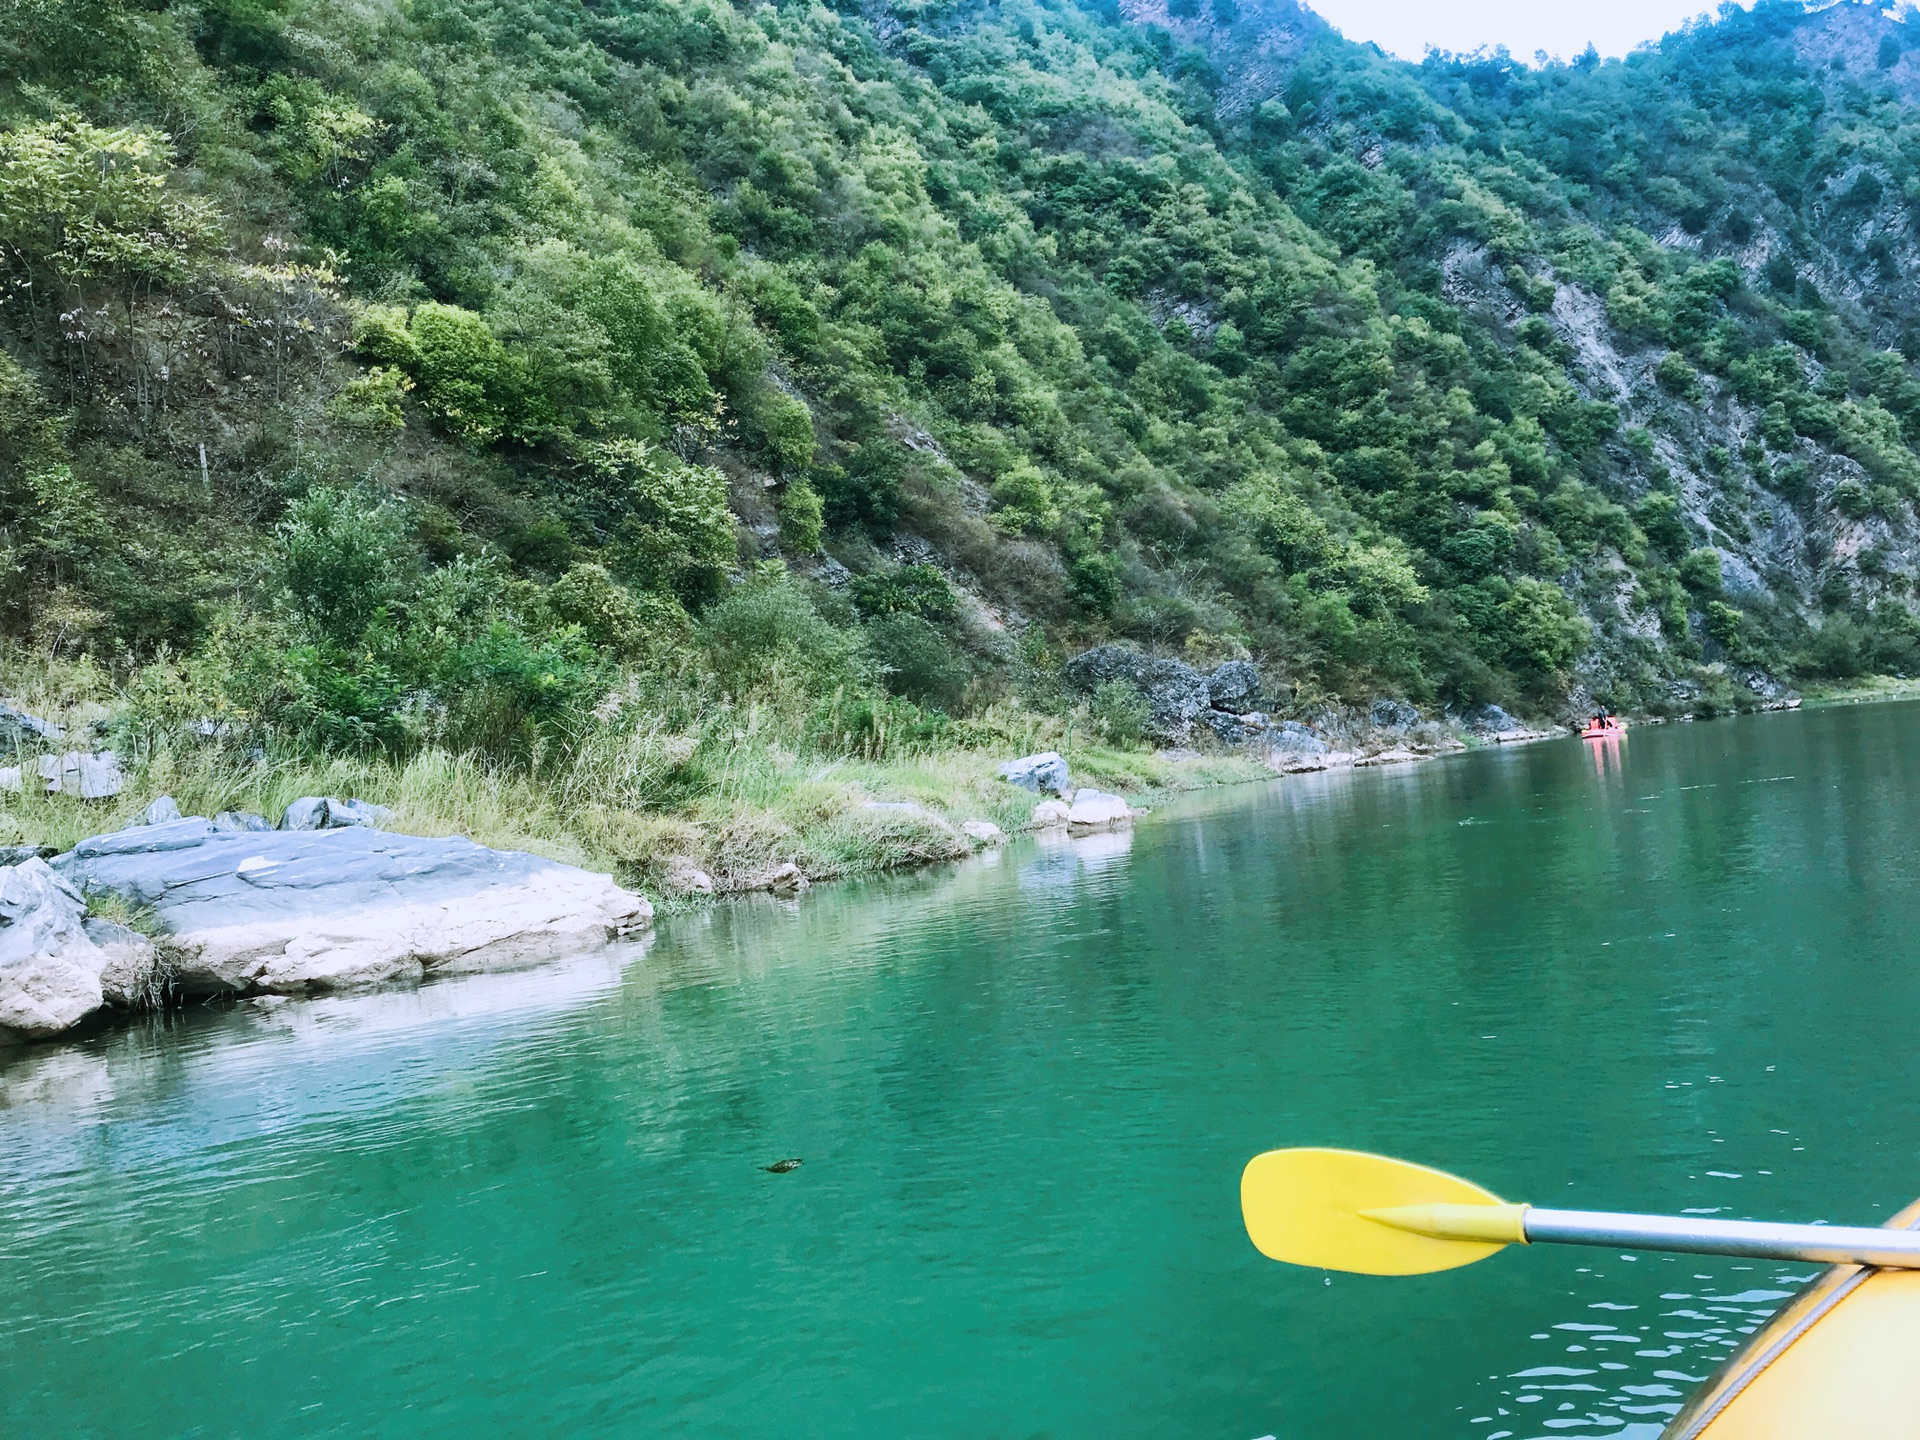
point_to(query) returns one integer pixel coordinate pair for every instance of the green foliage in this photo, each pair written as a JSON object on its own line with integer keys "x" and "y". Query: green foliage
{"x": 802, "y": 517}
{"x": 81, "y": 202}
{"x": 1699, "y": 571}
{"x": 905, "y": 590}
{"x": 1120, "y": 711}
{"x": 343, "y": 559}
{"x": 671, "y": 530}
{"x": 770, "y": 636}
{"x": 1658, "y": 515}
{"x": 917, "y": 661}
{"x": 625, "y": 625}
{"x": 1132, "y": 365}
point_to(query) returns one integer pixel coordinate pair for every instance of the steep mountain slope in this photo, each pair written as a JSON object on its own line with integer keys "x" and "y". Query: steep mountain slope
{"x": 418, "y": 368}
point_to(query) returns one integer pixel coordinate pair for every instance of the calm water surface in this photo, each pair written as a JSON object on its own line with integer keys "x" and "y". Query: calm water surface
{"x": 1676, "y": 976}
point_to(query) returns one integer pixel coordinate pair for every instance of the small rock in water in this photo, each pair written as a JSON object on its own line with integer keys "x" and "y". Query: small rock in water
{"x": 781, "y": 1167}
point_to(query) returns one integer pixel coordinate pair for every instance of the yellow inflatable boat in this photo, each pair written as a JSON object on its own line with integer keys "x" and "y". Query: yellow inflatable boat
{"x": 1841, "y": 1362}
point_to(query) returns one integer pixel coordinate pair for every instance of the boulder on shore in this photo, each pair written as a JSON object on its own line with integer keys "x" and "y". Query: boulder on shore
{"x": 1045, "y": 773}
{"x": 289, "y": 911}
{"x": 1490, "y": 719}
{"x": 56, "y": 967}
{"x": 1290, "y": 737}
{"x": 1095, "y": 808}
{"x": 1049, "y": 813}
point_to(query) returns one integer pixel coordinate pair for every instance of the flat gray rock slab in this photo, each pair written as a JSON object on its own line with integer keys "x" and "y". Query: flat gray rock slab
{"x": 292, "y": 911}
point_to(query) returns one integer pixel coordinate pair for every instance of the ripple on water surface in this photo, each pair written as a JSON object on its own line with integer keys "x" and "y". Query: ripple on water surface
{"x": 1023, "y": 1089}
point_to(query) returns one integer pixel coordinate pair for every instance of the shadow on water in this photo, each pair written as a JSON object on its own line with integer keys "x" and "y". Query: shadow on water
{"x": 1673, "y": 974}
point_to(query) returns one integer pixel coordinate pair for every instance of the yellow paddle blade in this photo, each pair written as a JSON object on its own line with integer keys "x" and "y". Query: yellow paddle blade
{"x": 1305, "y": 1207}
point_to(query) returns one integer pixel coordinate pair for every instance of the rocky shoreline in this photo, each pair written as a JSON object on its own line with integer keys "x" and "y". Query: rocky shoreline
{"x": 326, "y": 899}
{"x": 326, "y": 902}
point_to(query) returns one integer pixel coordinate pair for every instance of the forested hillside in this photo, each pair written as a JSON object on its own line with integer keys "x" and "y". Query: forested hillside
{"x": 473, "y": 373}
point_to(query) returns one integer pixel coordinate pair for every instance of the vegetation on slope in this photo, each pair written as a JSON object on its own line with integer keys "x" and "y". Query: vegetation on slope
{"x": 530, "y": 380}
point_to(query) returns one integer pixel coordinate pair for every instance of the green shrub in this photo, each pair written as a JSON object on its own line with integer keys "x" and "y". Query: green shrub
{"x": 373, "y": 401}
{"x": 343, "y": 558}
{"x": 769, "y": 634}
{"x": 81, "y": 203}
{"x": 905, "y": 590}
{"x": 801, "y": 517}
{"x": 1699, "y": 571}
{"x": 782, "y": 427}
{"x": 505, "y": 691}
{"x": 462, "y": 370}
{"x": 918, "y": 662}
{"x": 672, "y": 530}
{"x": 1658, "y": 514}
{"x": 1676, "y": 377}
{"x": 1852, "y": 499}
{"x": 338, "y": 701}
{"x": 1724, "y": 623}
{"x": 1120, "y": 712}
{"x": 623, "y": 624}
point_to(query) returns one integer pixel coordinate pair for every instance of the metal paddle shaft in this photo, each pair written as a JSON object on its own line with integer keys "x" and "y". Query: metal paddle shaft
{"x": 1757, "y": 1239}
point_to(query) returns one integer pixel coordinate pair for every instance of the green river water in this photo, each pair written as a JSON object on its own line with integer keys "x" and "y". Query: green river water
{"x": 1678, "y": 974}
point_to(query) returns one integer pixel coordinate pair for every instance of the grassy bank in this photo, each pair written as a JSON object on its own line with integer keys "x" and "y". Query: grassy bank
{"x": 1860, "y": 690}
{"x": 730, "y": 796}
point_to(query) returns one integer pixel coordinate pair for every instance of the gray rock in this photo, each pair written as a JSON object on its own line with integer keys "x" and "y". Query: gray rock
{"x": 685, "y": 876}
{"x": 985, "y": 832}
{"x": 1175, "y": 692}
{"x": 1094, "y": 808}
{"x": 1230, "y": 729}
{"x": 82, "y": 775}
{"x": 786, "y": 879}
{"x": 51, "y": 969}
{"x": 1491, "y": 720}
{"x": 18, "y": 728}
{"x": 1393, "y": 715}
{"x": 20, "y": 854}
{"x": 161, "y": 811}
{"x": 296, "y": 911}
{"x": 323, "y": 812}
{"x": 1290, "y": 737}
{"x": 131, "y": 978}
{"x": 1049, "y": 813}
{"x": 241, "y": 820}
{"x": 1045, "y": 773}
{"x": 1234, "y": 687}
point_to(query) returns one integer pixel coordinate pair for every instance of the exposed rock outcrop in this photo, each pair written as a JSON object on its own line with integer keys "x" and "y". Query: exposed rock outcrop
{"x": 1175, "y": 692}
{"x": 296, "y": 911}
{"x": 1234, "y": 687}
{"x": 55, "y": 968}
